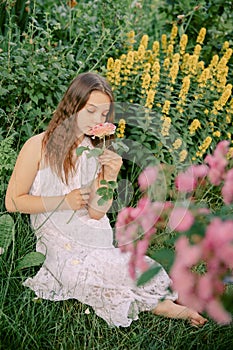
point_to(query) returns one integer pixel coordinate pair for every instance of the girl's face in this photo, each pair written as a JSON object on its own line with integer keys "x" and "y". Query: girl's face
{"x": 94, "y": 112}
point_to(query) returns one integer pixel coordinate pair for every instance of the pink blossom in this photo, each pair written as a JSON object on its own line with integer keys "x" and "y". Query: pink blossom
{"x": 227, "y": 189}
{"x": 181, "y": 219}
{"x": 103, "y": 129}
{"x": 147, "y": 177}
{"x": 185, "y": 182}
{"x": 217, "y": 163}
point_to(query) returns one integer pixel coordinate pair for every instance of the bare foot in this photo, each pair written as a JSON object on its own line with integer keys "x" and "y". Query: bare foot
{"x": 170, "y": 309}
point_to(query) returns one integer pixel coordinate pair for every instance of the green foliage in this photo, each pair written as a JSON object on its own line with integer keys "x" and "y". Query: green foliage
{"x": 30, "y": 260}
{"x": 7, "y": 232}
{"x": 216, "y": 16}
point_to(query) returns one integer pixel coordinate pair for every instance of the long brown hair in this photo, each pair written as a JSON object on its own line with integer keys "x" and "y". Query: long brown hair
{"x": 60, "y": 138}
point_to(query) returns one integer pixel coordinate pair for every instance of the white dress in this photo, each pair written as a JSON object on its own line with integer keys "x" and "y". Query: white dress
{"x": 81, "y": 261}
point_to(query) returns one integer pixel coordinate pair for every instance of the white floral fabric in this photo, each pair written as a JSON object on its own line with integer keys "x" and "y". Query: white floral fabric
{"x": 81, "y": 262}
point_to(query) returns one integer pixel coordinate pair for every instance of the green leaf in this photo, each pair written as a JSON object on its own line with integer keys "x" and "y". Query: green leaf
{"x": 102, "y": 191}
{"x": 81, "y": 149}
{"x": 102, "y": 201}
{"x": 29, "y": 260}
{"x": 7, "y": 231}
{"x": 95, "y": 152}
{"x": 164, "y": 256}
{"x": 148, "y": 275}
{"x": 103, "y": 182}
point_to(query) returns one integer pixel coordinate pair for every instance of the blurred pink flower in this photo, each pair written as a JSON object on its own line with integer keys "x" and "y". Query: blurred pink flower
{"x": 103, "y": 129}
{"x": 185, "y": 182}
{"x": 227, "y": 189}
{"x": 217, "y": 163}
{"x": 147, "y": 177}
{"x": 181, "y": 219}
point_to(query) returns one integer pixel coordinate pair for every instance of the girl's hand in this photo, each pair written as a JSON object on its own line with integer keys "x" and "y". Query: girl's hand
{"x": 78, "y": 198}
{"x": 111, "y": 163}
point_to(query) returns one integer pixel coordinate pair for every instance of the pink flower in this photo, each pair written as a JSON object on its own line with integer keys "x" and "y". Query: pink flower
{"x": 227, "y": 189}
{"x": 181, "y": 219}
{"x": 185, "y": 182}
{"x": 103, "y": 129}
{"x": 147, "y": 177}
{"x": 217, "y": 163}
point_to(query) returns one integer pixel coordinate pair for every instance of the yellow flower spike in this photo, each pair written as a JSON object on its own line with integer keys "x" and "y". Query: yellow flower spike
{"x": 205, "y": 75}
{"x": 177, "y": 144}
{"x": 130, "y": 59}
{"x": 183, "y": 155}
{"x": 230, "y": 153}
{"x": 228, "y": 119}
{"x": 166, "y": 107}
{"x": 194, "y": 126}
{"x": 144, "y": 41}
{"x": 155, "y": 48}
{"x": 173, "y": 72}
{"x": 166, "y": 63}
{"x": 170, "y": 50}
{"x": 166, "y": 126}
{"x": 183, "y": 43}
{"x": 110, "y": 64}
{"x": 217, "y": 133}
{"x": 146, "y": 81}
{"x": 141, "y": 52}
{"x": 201, "y": 36}
{"x": 150, "y": 99}
{"x": 225, "y": 45}
{"x": 164, "y": 42}
{"x": 121, "y": 128}
{"x": 227, "y": 54}
{"x": 197, "y": 50}
{"x": 185, "y": 88}
{"x": 174, "y": 32}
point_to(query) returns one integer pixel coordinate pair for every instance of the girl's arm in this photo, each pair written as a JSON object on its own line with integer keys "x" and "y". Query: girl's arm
{"x": 18, "y": 198}
{"x": 111, "y": 164}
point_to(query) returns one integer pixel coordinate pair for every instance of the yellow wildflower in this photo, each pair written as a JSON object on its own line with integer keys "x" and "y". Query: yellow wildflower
{"x": 130, "y": 59}
{"x": 177, "y": 144}
{"x": 141, "y": 52}
{"x": 166, "y": 107}
{"x": 166, "y": 126}
{"x": 217, "y": 133}
{"x": 197, "y": 50}
{"x": 155, "y": 48}
{"x": 164, "y": 42}
{"x": 146, "y": 81}
{"x": 166, "y": 63}
{"x": 185, "y": 88}
{"x": 121, "y": 128}
{"x": 228, "y": 119}
{"x": 183, "y": 155}
{"x": 201, "y": 36}
{"x": 144, "y": 41}
{"x": 174, "y": 32}
{"x": 183, "y": 43}
{"x": 230, "y": 153}
{"x": 150, "y": 99}
{"x": 194, "y": 126}
{"x": 173, "y": 72}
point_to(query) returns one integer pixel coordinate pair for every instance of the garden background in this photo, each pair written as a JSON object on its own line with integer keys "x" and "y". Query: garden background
{"x": 176, "y": 98}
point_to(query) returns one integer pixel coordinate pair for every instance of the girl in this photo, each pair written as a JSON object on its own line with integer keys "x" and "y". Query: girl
{"x": 58, "y": 190}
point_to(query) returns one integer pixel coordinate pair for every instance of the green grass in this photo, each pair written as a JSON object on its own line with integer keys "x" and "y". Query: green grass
{"x": 28, "y": 323}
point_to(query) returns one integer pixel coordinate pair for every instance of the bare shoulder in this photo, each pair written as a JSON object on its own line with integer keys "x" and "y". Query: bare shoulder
{"x": 32, "y": 148}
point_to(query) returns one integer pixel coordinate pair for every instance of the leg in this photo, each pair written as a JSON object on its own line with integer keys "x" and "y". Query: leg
{"x": 170, "y": 309}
